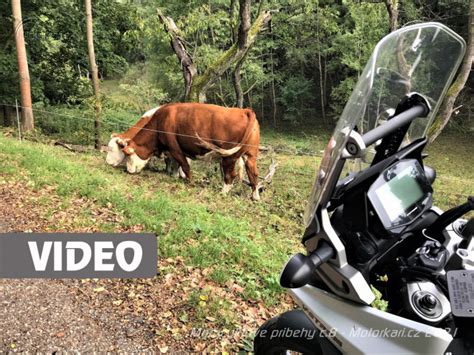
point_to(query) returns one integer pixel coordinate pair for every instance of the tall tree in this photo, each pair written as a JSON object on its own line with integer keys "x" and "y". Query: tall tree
{"x": 196, "y": 85}
{"x": 392, "y": 9}
{"x": 447, "y": 107}
{"x": 25, "y": 88}
{"x": 94, "y": 72}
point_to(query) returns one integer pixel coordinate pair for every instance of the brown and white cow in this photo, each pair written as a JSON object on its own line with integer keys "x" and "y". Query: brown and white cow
{"x": 192, "y": 130}
{"x": 115, "y": 154}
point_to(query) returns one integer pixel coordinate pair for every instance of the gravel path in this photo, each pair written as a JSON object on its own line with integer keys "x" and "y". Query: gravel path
{"x": 48, "y": 315}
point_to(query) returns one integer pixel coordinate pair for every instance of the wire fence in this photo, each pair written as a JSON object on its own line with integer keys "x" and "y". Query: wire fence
{"x": 44, "y": 121}
{"x": 116, "y": 124}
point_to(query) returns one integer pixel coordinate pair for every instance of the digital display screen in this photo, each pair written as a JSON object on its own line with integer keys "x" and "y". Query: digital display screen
{"x": 400, "y": 193}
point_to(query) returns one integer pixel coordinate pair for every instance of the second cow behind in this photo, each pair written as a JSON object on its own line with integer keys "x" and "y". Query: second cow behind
{"x": 196, "y": 131}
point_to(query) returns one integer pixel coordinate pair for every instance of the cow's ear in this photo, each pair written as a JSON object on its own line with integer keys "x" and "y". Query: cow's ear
{"x": 113, "y": 135}
{"x": 128, "y": 150}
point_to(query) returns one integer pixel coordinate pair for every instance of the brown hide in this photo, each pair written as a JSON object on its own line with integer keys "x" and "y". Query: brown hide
{"x": 174, "y": 127}
{"x": 180, "y": 129}
{"x": 132, "y": 131}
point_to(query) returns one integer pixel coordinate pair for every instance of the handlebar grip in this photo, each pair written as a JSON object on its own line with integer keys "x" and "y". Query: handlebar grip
{"x": 394, "y": 123}
{"x": 299, "y": 269}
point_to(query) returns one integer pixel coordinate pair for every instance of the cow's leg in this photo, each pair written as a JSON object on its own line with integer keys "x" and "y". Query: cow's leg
{"x": 184, "y": 168}
{"x": 252, "y": 172}
{"x": 181, "y": 173}
{"x": 228, "y": 167}
{"x": 239, "y": 169}
{"x": 170, "y": 163}
{"x": 172, "y": 167}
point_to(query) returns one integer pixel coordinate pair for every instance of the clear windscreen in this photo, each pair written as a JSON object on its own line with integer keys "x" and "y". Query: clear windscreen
{"x": 421, "y": 58}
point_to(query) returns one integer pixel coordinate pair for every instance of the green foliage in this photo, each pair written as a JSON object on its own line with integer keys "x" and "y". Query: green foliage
{"x": 379, "y": 302}
{"x": 312, "y": 56}
{"x": 143, "y": 95}
{"x": 366, "y": 23}
{"x": 57, "y": 50}
{"x": 296, "y": 96}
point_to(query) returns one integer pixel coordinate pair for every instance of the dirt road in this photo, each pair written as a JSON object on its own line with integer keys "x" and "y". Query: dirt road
{"x": 50, "y": 315}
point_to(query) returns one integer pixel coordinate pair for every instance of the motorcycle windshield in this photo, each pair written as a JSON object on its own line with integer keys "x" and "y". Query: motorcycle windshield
{"x": 421, "y": 58}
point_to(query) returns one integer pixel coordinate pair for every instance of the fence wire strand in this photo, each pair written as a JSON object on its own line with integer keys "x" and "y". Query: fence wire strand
{"x": 127, "y": 125}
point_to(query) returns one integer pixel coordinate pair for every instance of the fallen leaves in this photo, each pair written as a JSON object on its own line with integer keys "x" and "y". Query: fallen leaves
{"x": 156, "y": 310}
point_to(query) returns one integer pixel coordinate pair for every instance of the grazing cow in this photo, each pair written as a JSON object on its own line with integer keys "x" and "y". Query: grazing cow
{"x": 200, "y": 130}
{"x": 115, "y": 155}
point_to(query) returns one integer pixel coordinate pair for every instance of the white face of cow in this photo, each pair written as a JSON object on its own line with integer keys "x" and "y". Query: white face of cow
{"x": 135, "y": 164}
{"x": 115, "y": 155}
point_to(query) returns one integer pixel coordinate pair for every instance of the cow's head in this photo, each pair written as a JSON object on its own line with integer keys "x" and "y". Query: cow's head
{"x": 115, "y": 154}
{"x": 135, "y": 164}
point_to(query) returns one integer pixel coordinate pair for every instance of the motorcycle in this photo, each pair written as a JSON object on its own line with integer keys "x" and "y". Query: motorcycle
{"x": 371, "y": 227}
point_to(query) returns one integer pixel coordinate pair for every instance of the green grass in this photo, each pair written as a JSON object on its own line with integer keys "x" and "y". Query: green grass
{"x": 452, "y": 157}
{"x": 239, "y": 240}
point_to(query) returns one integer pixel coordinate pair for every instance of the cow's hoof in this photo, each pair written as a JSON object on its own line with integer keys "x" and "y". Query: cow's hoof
{"x": 181, "y": 173}
{"x": 255, "y": 196}
{"x": 226, "y": 188}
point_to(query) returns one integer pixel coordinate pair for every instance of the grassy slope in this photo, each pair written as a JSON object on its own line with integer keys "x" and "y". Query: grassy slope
{"x": 234, "y": 237}
{"x": 239, "y": 239}
{"x": 452, "y": 155}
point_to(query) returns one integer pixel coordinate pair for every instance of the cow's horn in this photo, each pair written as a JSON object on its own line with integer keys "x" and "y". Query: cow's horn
{"x": 123, "y": 142}
{"x": 129, "y": 150}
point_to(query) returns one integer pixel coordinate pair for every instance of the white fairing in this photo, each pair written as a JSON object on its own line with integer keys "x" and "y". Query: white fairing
{"x": 115, "y": 156}
{"x": 135, "y": 164}
{"x": 358, "y": 329}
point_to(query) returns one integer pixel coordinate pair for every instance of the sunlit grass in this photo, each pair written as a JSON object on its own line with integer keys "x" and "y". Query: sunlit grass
{"x": 239, "y": 240}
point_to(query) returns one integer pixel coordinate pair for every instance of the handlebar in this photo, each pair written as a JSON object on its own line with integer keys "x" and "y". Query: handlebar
{"x": 400, "y": 120}
{"x": 449, "y": 217}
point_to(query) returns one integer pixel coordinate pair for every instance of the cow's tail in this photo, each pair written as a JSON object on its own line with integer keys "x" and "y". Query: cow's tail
{"x": 222, "y": 152}
{"x": 228, "y": 152}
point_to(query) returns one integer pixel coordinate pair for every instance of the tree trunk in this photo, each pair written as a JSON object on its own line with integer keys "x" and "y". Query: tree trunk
{"x": 244, "y": 27}
{"x": 446, "y": 109}
{"x": 233, "y": 21}
{"x": 273, "y": 96}
{"x": 236, "y": 78}
{"x": 25, "y": 88}
{"x": 392, "y": 9}
{"x": 233, "y": 55}
{"x": 321, "y": 74}
{"x": 94, "y": 71}
{"x": 177, "y": 43}
{"x": 199, "y": 84}
{"x": 242, "y": 34}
